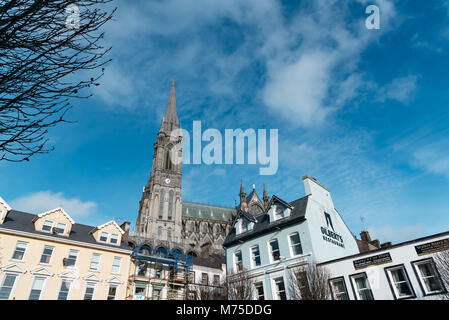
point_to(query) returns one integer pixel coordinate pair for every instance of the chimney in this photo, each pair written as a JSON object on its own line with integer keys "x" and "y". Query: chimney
{"x": 376, "y": 243}
{"x": 317, "y": 191}
{"x": 364, "y": 235}
{"x": 386, "y": 244}
{"x": 125, "y": 227}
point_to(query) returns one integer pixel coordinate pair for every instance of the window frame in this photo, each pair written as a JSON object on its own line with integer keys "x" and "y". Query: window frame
{"x": 114, "y": 236}
{"x": 342, "y": 278}
{"x": 94, "y": 254}
{"x": 101, "y": 235}
{"x": 354, "y": 286}
{"x": 51, "y": 227}
{"x": 116, "y": 291}
{"x": 256, "y": 285}
{"x": 70, "y": 288}
{"x": 393, "y": 285}
{"x": 420, "y": 280}
{"x": 93, "y": 293}
{"x": 42, "y": 289}
{"x": 58, "y": 228}
{"x": 51, "y": 255}
{"x": 290, "y": 245}
{"x": 236, "y": 269}
{"x": 119, "y": 265}
{"x": 253, "y": 264}
{"x": 204, "y": 283}
{"x": 76, "y": 258}
{"x": 13, "y": 288}
{"x": 270, "y": 250}
{"x": 276, "y": 289}
{"x": 24, "y": 251}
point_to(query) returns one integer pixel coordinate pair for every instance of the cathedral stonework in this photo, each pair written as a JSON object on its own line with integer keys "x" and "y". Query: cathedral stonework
{"x": 165, "y": 220}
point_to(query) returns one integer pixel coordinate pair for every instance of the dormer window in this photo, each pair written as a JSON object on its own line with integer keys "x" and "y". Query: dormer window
{"x": 244, "y": 225}
{"x": 279, "y": 213}
{"x": 60, "y": 228}
{"x": 114, "y": 238}
{"x": 104, "y": 236}
{"x": 48, "y": 224}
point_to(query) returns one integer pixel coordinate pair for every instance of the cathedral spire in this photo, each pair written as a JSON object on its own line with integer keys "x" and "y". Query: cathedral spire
{"x": 170, "y": 119}
{"x": 265, "y": 196}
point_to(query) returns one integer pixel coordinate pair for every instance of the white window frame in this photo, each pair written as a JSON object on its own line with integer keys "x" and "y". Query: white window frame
{"x": 24, "y": 252}
{"x": 270, "y": 250}
{"x": 51, "y": 226}
{"x": 116, "y": 290}
{"x": 43, "y": 286}
{"x": 95, "y": 289}
{"x": 51, "y": 255}
{"x": 235, "y": 261}
{"x": 101, "y": 234}
{"x": 119, "y": 265}
{"x": 354, "y": 284}
{"x": 336, "y": 294}
{"x": 257, "y": 296}
{"x": 114, "y": 236}
{"x": 290, "y": 245}
{"x": 58, "y": 227}
{"x": 76, "y": 258}
{"x": 277, "y": 215}
{"x": 393, "y": 284}
{"x": 253, "y": 262}
{"x": 69, "y": 280}
{"x": 92, "y": 261}
{"x": 275, "y": 288}
{"x": 421, "y": 279}
{"x": 13, "y": 289}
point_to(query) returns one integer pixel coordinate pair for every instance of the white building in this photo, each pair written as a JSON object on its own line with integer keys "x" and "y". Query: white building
{"x": 402, "y": 271}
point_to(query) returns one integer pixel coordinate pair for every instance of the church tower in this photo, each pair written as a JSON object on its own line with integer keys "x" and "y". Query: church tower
{"x": 160, "y": 212}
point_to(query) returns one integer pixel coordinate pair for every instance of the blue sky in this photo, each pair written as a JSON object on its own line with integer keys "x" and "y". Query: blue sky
{"x": 363, "y": 111}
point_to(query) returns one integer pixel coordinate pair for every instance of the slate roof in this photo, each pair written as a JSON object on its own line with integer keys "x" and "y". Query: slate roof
{"x": 215, "y": 261}
{"x": 263, "y": 224}
{"x": 206, "y": 211}
{"x": 22, "y": 221}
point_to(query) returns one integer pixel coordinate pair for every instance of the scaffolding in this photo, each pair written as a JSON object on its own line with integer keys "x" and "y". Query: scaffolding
{"x": 159, "y": 268}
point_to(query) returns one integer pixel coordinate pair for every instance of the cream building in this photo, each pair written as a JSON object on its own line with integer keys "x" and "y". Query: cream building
{"x": 50, "y": 257}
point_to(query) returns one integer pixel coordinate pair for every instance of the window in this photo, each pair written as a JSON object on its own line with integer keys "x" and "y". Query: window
{"x": 7, "y": 286}
{"x": 204, "y": 279}
{"x": 192, "y": 277}
{"x": 161, "y": 204}
{"x": 112, "y": 292}
{"x": 156, "y": 293}
{"x": 104, "y": 236}
{"x": 46, "y": 255}
{"x": 158, "y": 272}
{"x": 114, "y": 238}
{"x": 47, "y": 226}
{"x": 279, "y": 212}
{"x": 216, "y": 280}
{"x": 244, "y": 225}
{"x": 255, "y": 256}
{"x": 141, "y": 269}
{"x": 259, "y": 291}
{"x": 139, "y": 291}
{"x": 339, "y": 291}
{"x": 361, "y": 287}
{"x": 280, "y": 288}
{"x": 274, "y": 248}
{"x": 60, "y": 228}
{"x": 95, "y": 261}
{"x": 116, "y": 264}
{"x": 428, "y": 276}
{"x": 71, "y": 260}
{"x": 19, "y": 252}
{"x": 399, "y": 282}
{"x": 159, "y": 233}
{"x": 64, "y": 290}
{"x": 238, "y": 261}
{"x": 89, "y": 291}
{"x": 36, "y": 288}
{"x": 295, "y": 244}
{"x": 170, "y": 205}
{"x": 169, "y": 234}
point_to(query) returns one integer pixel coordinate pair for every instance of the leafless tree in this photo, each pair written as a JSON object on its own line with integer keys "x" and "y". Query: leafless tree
{"x": 442, "y": 264}
{"x": 239, "y": 286}
{"x": 309, "y": 283}
{"x": 207, "y": 292}
{"x": 50, "y": 50}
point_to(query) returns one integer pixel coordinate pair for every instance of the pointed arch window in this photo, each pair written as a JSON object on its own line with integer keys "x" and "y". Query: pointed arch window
{"x": 205, "y": 228}
{"x": 169, "y": 234}
{"x": 161, "y": 204}
{"x": 168, "y": 162}
{"x": 170, "y": 205}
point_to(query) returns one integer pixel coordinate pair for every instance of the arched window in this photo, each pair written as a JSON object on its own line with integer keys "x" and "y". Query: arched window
{"x": 161, "y": 204}
{"x": 159, "y": 233}
{"x": 170, "y": 205}
{"x": 168, "y": 162}
{"x": 192, "y": 226}
{"x": 205, "y": 228}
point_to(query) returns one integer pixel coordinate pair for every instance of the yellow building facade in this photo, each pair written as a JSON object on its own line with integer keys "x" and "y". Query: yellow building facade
{"x": 50, "y": 257}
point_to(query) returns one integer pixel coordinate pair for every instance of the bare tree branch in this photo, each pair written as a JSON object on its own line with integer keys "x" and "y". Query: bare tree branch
{"x": 442, "y": 264}
{"x": 39, "y": 59}
{"x": 309, "y": 283}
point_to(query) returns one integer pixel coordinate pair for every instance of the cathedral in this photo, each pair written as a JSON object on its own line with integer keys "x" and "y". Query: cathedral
{"x": 164, "y": 220}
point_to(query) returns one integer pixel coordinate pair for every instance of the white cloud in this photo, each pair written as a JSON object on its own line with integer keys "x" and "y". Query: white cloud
{"x": 433, "y": 158}
{"x": 42, "y": 201}
{"x": 396, "y": 234}
{"x": 400, "y": 89}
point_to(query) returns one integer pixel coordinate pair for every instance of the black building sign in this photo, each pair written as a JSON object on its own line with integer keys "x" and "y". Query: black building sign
{"x": 372, "y": 261}
{"x": 432, "y": 247}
